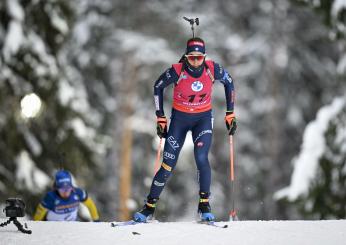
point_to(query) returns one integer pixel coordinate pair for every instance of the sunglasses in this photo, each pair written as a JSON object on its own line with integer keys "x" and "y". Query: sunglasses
{"x": 193, "y": 57}
{"x": 65, "y": 189}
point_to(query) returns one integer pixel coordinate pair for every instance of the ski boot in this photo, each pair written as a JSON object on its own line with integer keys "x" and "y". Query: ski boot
{"x": 204, "y": 209}
{"x": 147, "y": 211}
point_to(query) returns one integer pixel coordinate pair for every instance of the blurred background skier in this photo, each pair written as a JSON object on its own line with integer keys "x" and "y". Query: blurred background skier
{"x": 193, "y": 78}
{"x": 62, "y": 203}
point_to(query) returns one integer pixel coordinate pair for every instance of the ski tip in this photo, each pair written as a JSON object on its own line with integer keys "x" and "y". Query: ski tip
{"x": 126, "y": 223}
{"x": 212, "y": 223}
{"x": 218, "y": 225}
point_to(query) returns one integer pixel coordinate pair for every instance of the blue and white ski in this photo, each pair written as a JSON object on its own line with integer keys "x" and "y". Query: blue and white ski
{"x": 212, "y": 223}
{"x": 132, "y": 222}
{"x": 125, "y": 223}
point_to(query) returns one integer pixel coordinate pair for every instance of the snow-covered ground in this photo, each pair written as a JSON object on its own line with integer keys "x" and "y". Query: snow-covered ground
{"x": 332, "y": 232}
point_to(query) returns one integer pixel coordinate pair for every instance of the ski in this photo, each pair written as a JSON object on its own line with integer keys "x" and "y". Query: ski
{"x": 125, "y": 223}
{"x": 132, "y": 222}
{"x": 212, "y": 223}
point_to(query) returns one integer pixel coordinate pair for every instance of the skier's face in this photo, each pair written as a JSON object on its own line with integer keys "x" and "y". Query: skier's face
{"x": 195, "y": 59}
{"x": 65, "y": 192}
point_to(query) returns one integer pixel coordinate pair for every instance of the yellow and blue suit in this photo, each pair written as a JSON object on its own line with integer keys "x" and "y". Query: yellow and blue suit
{"x": 55, "y": 208}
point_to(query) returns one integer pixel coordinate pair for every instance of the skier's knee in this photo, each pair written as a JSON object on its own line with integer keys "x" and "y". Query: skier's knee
{"x": 202, "y": 160}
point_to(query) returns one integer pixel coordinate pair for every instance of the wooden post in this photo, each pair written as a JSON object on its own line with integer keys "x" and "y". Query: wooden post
{"x": 125, "y": 172}
{"x": 126, "y": 112}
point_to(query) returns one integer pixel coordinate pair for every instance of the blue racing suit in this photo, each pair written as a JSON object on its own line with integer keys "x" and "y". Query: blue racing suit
{"x": 200, "y": 123}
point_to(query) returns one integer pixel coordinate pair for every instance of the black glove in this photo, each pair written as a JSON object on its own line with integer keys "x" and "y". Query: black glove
{"x": 161, "y": 126}
{"x": 231, "y": 122}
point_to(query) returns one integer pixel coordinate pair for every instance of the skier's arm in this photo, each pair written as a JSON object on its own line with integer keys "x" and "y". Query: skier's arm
{"x": 89, "y": 203}
{"x": 224, "y": 77}
{"x": 167, "y": 78}
{"x": 42, "y": 209}
{"x": 40, "y": 213}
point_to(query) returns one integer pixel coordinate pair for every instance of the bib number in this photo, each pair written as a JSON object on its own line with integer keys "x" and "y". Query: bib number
{"x": 193, "y": 96}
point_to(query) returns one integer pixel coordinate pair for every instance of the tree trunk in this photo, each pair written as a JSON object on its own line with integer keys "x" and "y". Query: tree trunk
{"x": 125, "y": 174}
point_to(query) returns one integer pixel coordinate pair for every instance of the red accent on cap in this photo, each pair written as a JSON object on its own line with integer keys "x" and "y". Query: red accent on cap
{"x": 191, "y": 43}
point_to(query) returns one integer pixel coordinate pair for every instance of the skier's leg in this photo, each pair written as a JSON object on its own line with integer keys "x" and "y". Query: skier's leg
{"x": 202, "y": 137}
{"x": 173, "y": 144}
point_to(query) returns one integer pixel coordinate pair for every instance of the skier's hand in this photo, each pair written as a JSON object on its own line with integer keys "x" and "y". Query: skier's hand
{"x": 161, "y": 126}
{"x": 231, "y": 122}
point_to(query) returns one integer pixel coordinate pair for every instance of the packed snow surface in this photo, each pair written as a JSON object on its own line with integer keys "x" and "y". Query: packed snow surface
{"x": 179, "y": 233}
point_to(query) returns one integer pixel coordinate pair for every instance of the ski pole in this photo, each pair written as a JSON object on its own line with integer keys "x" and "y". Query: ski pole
{"x": 158, "y": 153}
{"x": 233, "y": 213}
{"x": 231, "y": 158}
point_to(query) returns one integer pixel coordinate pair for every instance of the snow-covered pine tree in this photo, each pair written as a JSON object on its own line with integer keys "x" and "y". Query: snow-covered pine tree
{"x": 32, "y": 35}
{"x": 327, "y": 193}
{"x": 318, "y": 182}
{"x": 322, "y": 194}
{"x": 334, "y": 14}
